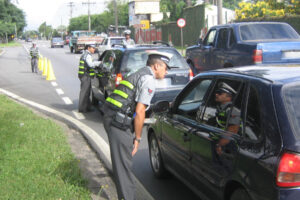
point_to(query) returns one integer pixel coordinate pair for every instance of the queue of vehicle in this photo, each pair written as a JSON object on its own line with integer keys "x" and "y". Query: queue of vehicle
{"x": 258, "y": 161}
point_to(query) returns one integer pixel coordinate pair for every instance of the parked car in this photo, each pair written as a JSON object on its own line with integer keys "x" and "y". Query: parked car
{"x": 260, "y": 161}
{"x": 121, "y": 62}
{"x": 109, "y": 42}
{"x": 28, "y": 40}
{"x": 57, "y": 42}
{"x": 242, "y": 44}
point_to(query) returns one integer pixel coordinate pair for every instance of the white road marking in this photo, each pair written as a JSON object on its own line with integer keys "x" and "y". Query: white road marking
{"x": 54, "y": 84}
{"x": 67, "y": 100}
{"x": 78, "y": 115}
{"x": 59, "y": 91}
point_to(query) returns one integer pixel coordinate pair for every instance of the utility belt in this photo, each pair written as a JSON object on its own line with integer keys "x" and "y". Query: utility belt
{"x": 122, "y": 121}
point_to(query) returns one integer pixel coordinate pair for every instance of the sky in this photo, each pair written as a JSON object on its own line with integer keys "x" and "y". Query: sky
{"x": 55, "y": 12}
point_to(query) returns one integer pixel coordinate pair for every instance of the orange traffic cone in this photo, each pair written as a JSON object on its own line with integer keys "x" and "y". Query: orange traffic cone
{"x": 45, "y": 67}
{"x": 50, "y": 73}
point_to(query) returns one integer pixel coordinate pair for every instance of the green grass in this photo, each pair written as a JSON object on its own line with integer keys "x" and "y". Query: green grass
{"x": 10, "y": 44}
{"x": 36, "y": 161}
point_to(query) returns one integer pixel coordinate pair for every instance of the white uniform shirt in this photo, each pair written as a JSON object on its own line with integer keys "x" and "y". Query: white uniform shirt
{"x": 145, "y": 89}
{"x": 90, "y": 62}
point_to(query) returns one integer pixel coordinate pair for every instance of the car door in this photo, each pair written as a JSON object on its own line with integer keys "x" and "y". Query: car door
{"x": 219, "y": 53}
{"x": 204, "y": 59}
{"x": 178, "y": 125}
{"x": 210, "y": 165}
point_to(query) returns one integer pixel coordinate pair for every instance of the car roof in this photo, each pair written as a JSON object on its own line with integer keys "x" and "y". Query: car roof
{"x": 115, "y": 37}
{"x": 245, "y": 23}
{"x": 280, "y": 73}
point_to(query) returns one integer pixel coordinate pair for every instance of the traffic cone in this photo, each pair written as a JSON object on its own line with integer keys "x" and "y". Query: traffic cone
{"x": 45, "y": 67}
{"x": 50, "y": 73}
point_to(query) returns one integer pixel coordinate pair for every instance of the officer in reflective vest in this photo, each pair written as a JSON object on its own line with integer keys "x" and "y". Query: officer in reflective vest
{"x": 126, "y": 107}
{"x": 34, "y": 53}
{"x": 226, "y": 113}
{"x": 85, "y": 73}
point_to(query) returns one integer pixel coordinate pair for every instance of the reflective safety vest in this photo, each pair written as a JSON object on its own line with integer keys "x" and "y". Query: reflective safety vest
{"x": 34, "y": 52}
{"x": 122, "y": 98}
{"x": 83, "y": 66}
{"x": 221, "y": 116}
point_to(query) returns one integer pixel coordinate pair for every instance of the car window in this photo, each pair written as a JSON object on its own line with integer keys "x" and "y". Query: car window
{"x": 222, "y": 110}
{"x": 252, "y": 126}
{"x": 232, "y": 40}
{"x": 267, "y": 32}
{"x": 136, "y": 59}
{"x": 191, "y": 100}
{"x": 116, "y": 41}
{"x": 210, "y": 38}
{"x": 291, "y": 99}
{"x": 106, "y": 42}
{"x": 118, "y": 58}
{"x": 108, "y": 60}
{"x": 222, "y": 38}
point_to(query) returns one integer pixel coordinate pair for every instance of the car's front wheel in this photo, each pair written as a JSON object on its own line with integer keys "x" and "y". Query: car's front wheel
{"x": 155, "y": 158}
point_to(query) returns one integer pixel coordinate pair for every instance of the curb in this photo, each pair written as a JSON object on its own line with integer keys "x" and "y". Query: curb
{"x": 96, "y": 142}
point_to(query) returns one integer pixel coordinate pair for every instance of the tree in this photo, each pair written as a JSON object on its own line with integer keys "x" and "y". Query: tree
{"x": 45, "y": 30}
{"x": 11, "y": 19}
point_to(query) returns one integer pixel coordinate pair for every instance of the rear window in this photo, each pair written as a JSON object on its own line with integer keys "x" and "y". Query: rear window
{"x": 291, "y": 97}
{"x": 137, "y": 59}
{"x": 57, "y": 39}
{"x": 267, "y": 32}
{"x": 116, "y": 41}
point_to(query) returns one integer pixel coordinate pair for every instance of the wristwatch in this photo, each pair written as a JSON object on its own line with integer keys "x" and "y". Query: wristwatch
{"x": 138, "y": 139}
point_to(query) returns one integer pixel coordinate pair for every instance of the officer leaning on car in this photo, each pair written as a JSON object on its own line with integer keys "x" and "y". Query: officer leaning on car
{"x": 34, "y": 53}
{"x": 226, "y": 113}
{"x": 124, "y": 112}
{"x": 85, "y": 73}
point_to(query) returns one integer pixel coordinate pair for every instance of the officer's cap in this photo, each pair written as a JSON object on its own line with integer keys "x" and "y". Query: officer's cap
{"x": 163, "y": 56}
{"x": 127, "y": 32}
{"x": 225, "y": 88}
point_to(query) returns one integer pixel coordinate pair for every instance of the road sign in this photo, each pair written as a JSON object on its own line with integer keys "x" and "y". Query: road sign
{"x": 181, "y": 22}
{"x": 146, "y": 24}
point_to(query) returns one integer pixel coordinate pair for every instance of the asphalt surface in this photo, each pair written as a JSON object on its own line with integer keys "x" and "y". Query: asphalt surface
{"x": 35, "y": 91}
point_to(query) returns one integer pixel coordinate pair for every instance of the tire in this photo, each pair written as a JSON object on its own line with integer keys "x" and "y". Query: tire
{"x": 156, "y": 161}
{"x": 239, "y": 194}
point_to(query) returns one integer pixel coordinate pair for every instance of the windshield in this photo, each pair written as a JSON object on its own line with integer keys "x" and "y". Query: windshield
{"x": 291, "y": 98}
{"x": 137, "y": 59}
{"x": 116, "y": 41}
{"x": 267, "y": 32}
{"x": 56, "y": 39}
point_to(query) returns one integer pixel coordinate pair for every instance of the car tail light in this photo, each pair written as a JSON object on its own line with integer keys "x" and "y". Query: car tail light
{"x": 191, "y": 75}
{"x": 288, "y": 173}
{"x": 119, "y": 78}
{"x": 257, "y": 56}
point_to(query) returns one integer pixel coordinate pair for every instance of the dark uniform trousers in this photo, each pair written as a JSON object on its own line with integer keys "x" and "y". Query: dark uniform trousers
{"x": 34, "y": 62}
{"x": 84, "y": 96}
{"x": 121, "y": 147}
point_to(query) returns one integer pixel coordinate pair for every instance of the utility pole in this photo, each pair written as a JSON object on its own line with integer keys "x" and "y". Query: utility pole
{"x": 71, "y": 5}
{"x": 116, "y": 17}
{"x": 220, "y": 13}
{"x": 89, "y": 3}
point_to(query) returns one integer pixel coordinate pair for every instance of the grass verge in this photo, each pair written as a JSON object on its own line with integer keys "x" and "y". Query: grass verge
{"x": 10, "y": 44}
{"x": 36, "y": 161}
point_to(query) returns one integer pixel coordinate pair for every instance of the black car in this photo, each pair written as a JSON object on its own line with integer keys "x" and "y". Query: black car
{"x": 120, "y": 62}
{"x": 260, "y": 161}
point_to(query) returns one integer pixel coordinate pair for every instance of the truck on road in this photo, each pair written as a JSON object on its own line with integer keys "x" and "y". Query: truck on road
{"x": 79, "y": 39}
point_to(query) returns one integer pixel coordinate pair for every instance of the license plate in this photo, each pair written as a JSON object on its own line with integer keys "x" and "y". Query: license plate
{"x": 162, "y": 83}
{"x": 291, "y": 54}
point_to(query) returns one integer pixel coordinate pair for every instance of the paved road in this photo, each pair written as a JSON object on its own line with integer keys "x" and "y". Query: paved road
{"x": 62, "y": 95}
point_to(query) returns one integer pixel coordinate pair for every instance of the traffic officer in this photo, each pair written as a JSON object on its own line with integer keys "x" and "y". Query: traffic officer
{"x": 226, "y": 113}
{"x": 85, "y": 73}
{"x": 34, "y": 53}
{"x": 128, "y": 41}
{"x": 124, "y": 113}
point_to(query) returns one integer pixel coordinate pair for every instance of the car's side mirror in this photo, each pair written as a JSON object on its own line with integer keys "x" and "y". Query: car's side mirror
{"x": 161, "y": 106}
{"x": 199, "y": 42}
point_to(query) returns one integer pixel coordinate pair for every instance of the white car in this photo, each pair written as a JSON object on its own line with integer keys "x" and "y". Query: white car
{"x": 108, "y": 42}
